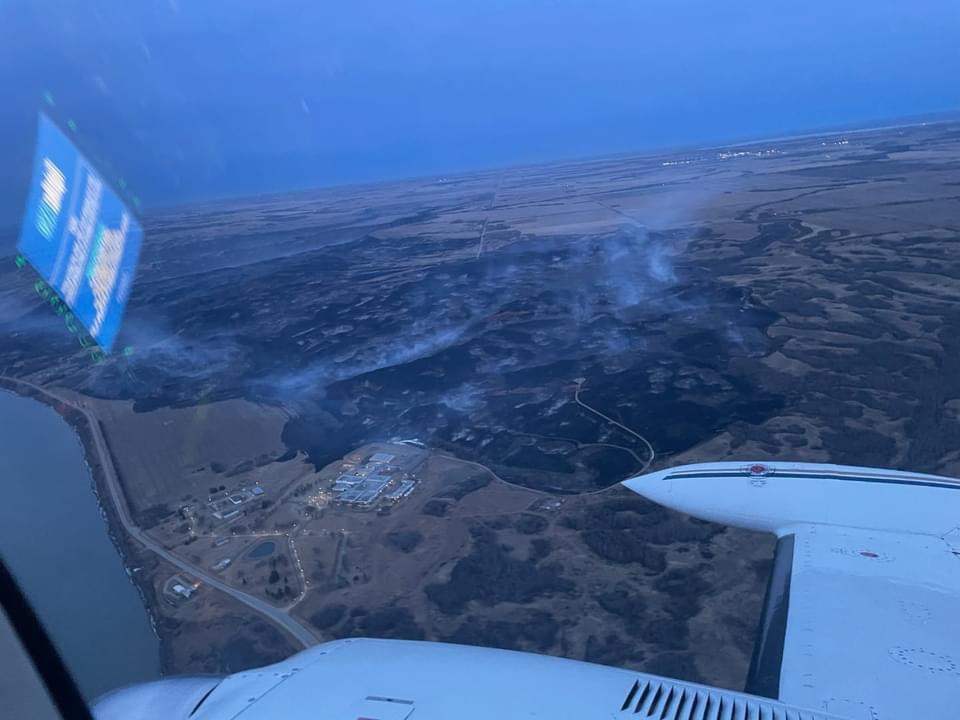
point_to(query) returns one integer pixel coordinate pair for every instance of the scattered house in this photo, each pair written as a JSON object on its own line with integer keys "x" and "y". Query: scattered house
{"x": 184, "y": 591}
{"x": 549, "y": 504}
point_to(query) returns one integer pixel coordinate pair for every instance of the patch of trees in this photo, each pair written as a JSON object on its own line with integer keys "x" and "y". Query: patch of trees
{"x": 536, "y": 627}
{"x": 281, "y": 592}
{"x": 239, "y": 653}
{"x": 390, "y": 622}
{"x": 404, "y": 540}
{"x": 612, "y": 650}
{"x": 624, "y": 546}
{"x": 497, "y": 523}
{"x": 859, "y": 446}
{"x": 676, "y": 528}
{"x": 741, "y": 631}
{"x": 624, "y": 530}
{"x": 663, "y": 632}
{"x": 540, "y": 548}
{"x": 530, "y": 524}
{"x": 762, "y": 568}
{"x": 625, "y": 603}
{"x": 683, "y": 586}
{"x": 436, "y": 508}
{"x": 153, "y": 515}
{"x": 460, "y": 490}
{"x": 680, "y": 665}
{"x": 491, "y": 575}
{"x": 245, "y": 466}
{"x": 624, "y": 512}
{"x": 328, "y": 616}
{"x": 386, "y": 622}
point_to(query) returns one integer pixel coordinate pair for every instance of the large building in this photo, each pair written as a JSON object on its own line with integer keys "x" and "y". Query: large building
{"x": 366, "y": 492}
{"x": 400, "y": 492}
{"x": 363, "y": 484}
{"x": 347, "y": 482}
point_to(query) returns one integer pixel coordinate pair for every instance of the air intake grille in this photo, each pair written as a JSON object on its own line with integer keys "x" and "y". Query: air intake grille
{"x": 666, "y": 700}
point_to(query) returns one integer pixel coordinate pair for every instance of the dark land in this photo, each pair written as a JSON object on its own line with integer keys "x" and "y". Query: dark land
{"x": 791, "y": 299}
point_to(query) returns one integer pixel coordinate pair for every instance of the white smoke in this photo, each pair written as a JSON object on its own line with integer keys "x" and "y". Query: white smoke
{"x": 295, "y": 386}
{"x": 464, "y": 399}
{"x": 178, "y": 356}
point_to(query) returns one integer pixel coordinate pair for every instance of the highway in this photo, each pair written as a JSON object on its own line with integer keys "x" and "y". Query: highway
{"x": 278, "y": 616}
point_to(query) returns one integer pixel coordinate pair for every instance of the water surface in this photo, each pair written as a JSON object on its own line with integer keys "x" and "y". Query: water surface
{"x": 54, "y": 539}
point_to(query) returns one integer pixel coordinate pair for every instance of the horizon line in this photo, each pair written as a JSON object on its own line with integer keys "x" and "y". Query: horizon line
{"x": 889, "y": 123}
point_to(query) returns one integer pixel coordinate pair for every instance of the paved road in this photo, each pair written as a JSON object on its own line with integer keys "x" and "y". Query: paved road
{"x": 581, "y": 403}
{"x": 493, "y": 200}
{"x": 641, "y": 438}
{"x": 278, "y": 616}
{"x": 535, "y": 491}
{"x": 453, "y": 458}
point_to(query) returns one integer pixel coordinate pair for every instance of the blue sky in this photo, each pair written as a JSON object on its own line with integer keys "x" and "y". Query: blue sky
{"x": 195, "y": 99}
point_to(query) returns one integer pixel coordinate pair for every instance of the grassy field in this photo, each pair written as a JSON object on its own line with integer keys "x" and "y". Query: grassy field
{"x": 171, "y": 453}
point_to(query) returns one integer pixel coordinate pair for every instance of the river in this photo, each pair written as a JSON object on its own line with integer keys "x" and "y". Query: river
{"x": 54, "y": 539}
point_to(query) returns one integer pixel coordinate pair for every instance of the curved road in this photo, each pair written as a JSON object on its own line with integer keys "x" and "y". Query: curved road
{"x": 579, "y": 444}
{"x": 641, "y": 438}
{"x": 454, "y": 458}
{"x": 277, "y": 616}
{"x": 581, "y": 403}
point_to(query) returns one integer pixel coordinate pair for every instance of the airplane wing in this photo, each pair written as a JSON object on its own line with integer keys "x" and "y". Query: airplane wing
{"x": 862, "y": 615}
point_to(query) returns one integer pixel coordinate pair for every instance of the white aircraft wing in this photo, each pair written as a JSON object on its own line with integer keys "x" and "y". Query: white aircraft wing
{"x": 863, "y": 624}
{"x": 862, "y": 616}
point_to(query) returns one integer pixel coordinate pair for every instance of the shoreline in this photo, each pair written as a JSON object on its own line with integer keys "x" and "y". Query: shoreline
{"x": 126, "y": 548}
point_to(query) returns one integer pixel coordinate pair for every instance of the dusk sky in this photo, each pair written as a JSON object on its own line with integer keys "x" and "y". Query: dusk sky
{"x": 196, "y": 99}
